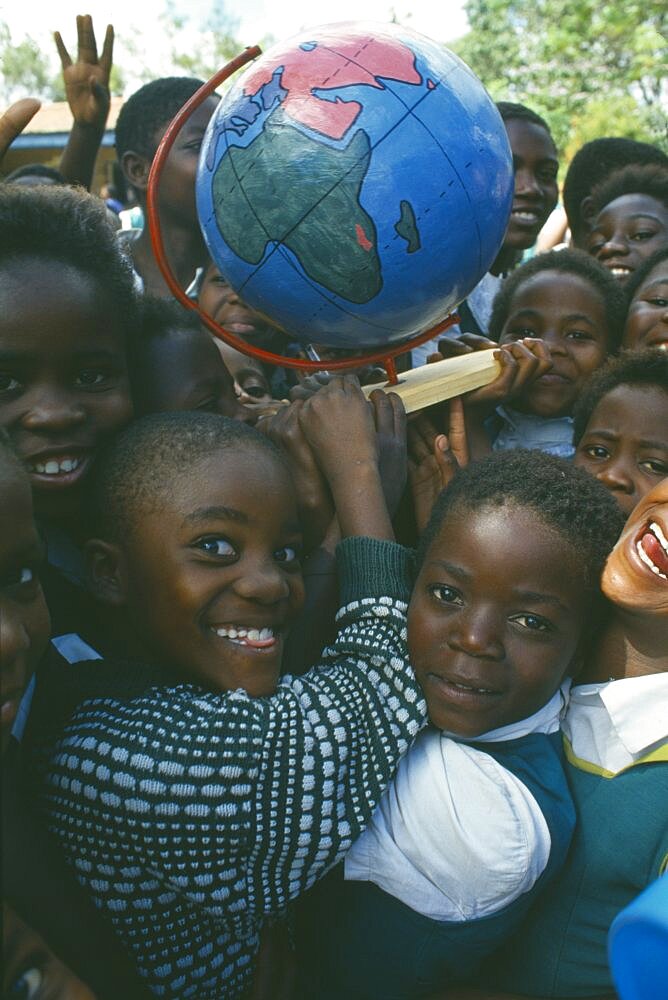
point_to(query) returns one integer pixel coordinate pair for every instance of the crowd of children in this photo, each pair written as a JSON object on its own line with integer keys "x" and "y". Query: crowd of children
{"x": 301, "y": 699}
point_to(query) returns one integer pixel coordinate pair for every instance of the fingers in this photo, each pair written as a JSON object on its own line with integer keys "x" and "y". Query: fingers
{"x": 86, "y": 44}
{"x": 389, "y": 413}
{"x": 15, "y": 119}
{"x": 421, "y": 436}
{"x": 65, "y": 58}
{"x": 107, "y": 57}
{"x": 457, "y": 432}
{"x": 445, "y": 460}
{"x": 477, "y": 342}
{"x": 452, "y": 347}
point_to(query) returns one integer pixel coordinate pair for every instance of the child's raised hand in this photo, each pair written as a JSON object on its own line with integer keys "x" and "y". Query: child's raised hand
{"x": 522, "y": 361}
{"x": 15, "y": 119}
{"x": 433, "y": 458}
{"x": 87, "y": 80}
{"x": 390, "y": 419}
{"x": 314, "y": 501}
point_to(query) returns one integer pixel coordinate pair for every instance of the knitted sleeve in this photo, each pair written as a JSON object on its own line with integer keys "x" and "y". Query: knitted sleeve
{"x": 241, "y": 803}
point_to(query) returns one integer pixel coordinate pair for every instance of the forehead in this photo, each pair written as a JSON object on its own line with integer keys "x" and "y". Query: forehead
{"x": 194, "y": 125}
{"x": 567, "y": 292}
{"x": 529, "y": 141}
{"x": 637, "y": 411}
{"x": 657, "y": 276}
{"x": 628, "y": 207}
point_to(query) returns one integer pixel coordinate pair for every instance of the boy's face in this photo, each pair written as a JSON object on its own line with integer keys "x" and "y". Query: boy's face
{"x": 214, "y": 578}
{"x": 221, "y": 302}
{"x": 63, "y": 377}
{"x": 178, "y": 176}
{"x": 536, "y": 166}
{"x": 251, "y": 385}
{"x": 496, "y": 618}
{"x": 628, "y": 231}
{"x": 184, "y": 371}
{"x": 24, "y": 619}
{"x": 647, "y": 318}
{"x": 625, "y": 443}
{"x": 635, "y": 577}
{"x": 568, "y": 313}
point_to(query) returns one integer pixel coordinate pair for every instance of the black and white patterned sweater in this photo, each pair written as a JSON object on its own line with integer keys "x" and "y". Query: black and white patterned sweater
{"x": 191, "y": 816}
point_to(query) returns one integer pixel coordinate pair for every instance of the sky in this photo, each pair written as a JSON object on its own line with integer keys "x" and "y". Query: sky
{"x": 137, "y": 20}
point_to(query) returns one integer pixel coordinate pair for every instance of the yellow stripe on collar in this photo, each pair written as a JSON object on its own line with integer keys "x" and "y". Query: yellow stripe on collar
{"x": 658, "y": 756}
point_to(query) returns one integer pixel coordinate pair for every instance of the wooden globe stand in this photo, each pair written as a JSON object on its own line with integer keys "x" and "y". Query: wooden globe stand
{"x": 418, "y": 388}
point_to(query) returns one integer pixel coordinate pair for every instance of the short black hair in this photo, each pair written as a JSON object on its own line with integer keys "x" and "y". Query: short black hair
{"x": 575, "y": 262}
{"x": 150, "y": 109}
{"x": 137, "y": 469}
{"x": 593, "y": 162}
{"x": 36, "y": 170}
{"x": 567, "y": 499}
{"x": 647, "y": 178}
{"x": 519, "y": 112}
{"x": 648, "y": 367}
{"x": 157, "y": 318}
{"x": 638, "y": 276}
{"x": 69, "y": 226}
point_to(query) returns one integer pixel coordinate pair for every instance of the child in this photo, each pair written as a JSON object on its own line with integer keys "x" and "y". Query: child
{"x": 67, "y": 308}
{"x": 616, "y": 739}
{"x": 631, "y": 218}
{"x": 620, "y": 426}
{"x": 251, "y": 384}
{"x": 37, "y": 886}
{"x": 647, "y": 316}
{"x": 478, "y": 818}
{"x": 141, "y": 124}
{"x": 194, "y": 792}
{"x": 174, "y": 365}
{"x": 576, "y": 308}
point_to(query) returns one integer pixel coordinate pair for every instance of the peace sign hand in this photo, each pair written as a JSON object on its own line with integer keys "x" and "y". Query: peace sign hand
{"x": 87, "y": 80}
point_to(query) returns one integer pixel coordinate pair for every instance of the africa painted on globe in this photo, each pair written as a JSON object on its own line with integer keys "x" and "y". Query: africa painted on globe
{"x": 355, "y": 184}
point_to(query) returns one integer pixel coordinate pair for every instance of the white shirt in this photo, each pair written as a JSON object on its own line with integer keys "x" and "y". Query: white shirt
{"x": 456, "y": 836}
{"x": 614, "y": 724}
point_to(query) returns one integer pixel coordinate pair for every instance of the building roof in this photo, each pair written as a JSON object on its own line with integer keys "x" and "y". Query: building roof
{"x": 52, "y": 123}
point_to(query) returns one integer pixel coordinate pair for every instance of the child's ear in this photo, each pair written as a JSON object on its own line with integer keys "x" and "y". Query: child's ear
{"x": 587, "y": 208}
{"x": 106, "y": 571}
{"x": 136, "y": 169}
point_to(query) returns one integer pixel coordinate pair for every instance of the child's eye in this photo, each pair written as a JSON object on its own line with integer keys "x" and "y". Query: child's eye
{"x": 534, "y": 623}
{"x": 21, "y": 584}
{"x": 27, "y": 986}
{"x": 8, "y": 383}
{"x": 661, "y": 303}
{"x": 90, "y": 377}
{"x": 286, "y": 555}
{"x": 216, "y": 547}
{"x": 643, "y": 234}
{"x": 445, "y": 594}
{"x": 597, "y": 451}
{"x": 596, "y": 243}
{"x": 208, "y": 406}
{"x": 579, "y": 335}
{"x": 655, "y": 466}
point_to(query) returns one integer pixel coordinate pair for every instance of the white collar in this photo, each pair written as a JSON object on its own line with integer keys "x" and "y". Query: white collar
{"x": 546, "y": 720}
{"x": 637, "y": 709}
{"x": 520, "y": 421}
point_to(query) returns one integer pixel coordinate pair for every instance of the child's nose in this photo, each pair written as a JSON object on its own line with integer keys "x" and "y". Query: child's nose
{"x": 53, "y": 409}
{"x": 526, "y": 182}
{"x": 616, "y": 477}
{"x": 477, "y": 635}
{"x": 262, "y": 581}
{"x": 613, "y": 247}
{"x": 554, "y": 340}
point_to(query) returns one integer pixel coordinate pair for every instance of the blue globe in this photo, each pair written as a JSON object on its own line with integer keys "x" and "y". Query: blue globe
{"x": 355, "y": 184}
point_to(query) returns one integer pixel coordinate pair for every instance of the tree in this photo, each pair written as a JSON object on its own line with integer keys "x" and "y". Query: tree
{"x": 586, "y": 66}
{"x": 26, "y": 72}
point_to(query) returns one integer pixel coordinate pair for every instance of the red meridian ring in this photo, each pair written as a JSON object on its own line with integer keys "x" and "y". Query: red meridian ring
{"x": 385, "y": 356}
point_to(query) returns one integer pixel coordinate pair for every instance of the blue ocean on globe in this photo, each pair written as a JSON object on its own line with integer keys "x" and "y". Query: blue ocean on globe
{"x": 355, "y": 184}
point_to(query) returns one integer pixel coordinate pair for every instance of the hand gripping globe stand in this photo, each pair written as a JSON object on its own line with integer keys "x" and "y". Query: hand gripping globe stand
{"x": 418, "y": 388}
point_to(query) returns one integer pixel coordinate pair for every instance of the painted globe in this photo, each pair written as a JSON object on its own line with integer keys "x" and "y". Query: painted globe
{"x": 355, "y": 184}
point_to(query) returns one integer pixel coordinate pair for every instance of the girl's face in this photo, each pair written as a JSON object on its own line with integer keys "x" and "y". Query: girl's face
{"x": 647, "y": 318}
{"x": 628, "y": 231}
{"x": 63, "y": 377}
{"x": 496, "y": 618}
{"x": 635, "y": 577}
{"x": 625, "y": 443}
{"x": 568, "y": 313}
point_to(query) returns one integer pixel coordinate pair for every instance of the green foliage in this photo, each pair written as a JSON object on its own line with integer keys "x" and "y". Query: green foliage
{"x": 25, "y": 70}
{"x": 215, "y": 45}
{"x": 591, "y": 68}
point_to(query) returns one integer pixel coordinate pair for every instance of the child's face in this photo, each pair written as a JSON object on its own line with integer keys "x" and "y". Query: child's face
{"x": 24, "y": 619}
{"x": 63, "y": 377}
{"x": 186, "y": 372}
{"x": 635, "y": 577}
{"x": 178, "y": 176}
{"x": 568, "y": 313}
{"x": 625, "y": 443}
{"x": 496, "y": 618}
{"x": 221, "y": 302}
{"x": 647, "y": 319}
{"x": 250, "y": 383}
{"x": 536, "y": 167}
{"x": 628, "y": 231}
{"x": 214, "y": 578}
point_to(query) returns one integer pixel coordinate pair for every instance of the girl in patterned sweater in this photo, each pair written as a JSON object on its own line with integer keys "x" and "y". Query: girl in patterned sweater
{"x": 194, "y": 792}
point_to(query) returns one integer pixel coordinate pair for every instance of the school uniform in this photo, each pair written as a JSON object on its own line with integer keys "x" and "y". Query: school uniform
{"x": 509, "y": 429}
{"x": 616, "y": 739}
{"x": 465, "y": 837}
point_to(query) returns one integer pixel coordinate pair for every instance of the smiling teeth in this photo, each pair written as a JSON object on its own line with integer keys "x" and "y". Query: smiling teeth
{"x": 52, "y": 467}
{"x": 467, "y": 687}
{"x": 661, "y": 539}
{"x": 239, "y": 634}
{"x": 620, "y": 270}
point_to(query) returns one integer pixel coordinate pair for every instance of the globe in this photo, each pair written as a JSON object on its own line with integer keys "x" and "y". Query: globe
{"x": 355, "y": 184}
